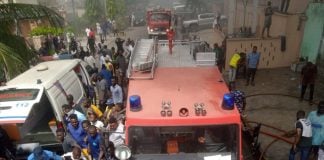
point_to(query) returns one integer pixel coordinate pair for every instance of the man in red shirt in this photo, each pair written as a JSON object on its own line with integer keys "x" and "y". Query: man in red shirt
{"x": 170, "y": 35}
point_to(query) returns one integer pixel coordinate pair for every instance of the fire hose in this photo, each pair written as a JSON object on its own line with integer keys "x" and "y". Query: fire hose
{"x": 276, "y": 137}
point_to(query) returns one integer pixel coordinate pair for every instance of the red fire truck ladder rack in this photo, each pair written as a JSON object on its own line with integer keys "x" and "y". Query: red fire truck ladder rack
{"x": 151, "y": 53}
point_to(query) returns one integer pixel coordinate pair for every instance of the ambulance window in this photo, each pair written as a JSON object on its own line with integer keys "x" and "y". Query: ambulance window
{"x": 18, "y": 94}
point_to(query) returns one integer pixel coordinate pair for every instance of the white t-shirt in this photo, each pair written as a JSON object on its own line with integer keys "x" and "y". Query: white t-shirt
{"x": 215, "y": 22}
{"x": 101, "y": 61}
{"x": 99, "y": 30}
{"x": 117, "y": 93}
{"x": 69, "y": 154}
{"x": 118, "y": 137}
{"x": 98, "y": 124}
{"x": 108, "y": 58}
{"x": 90, "y": 60}
{"x": 87, "y": 30}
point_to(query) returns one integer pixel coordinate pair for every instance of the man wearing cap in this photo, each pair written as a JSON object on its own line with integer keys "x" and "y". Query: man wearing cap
{"x": 40, "y": 154}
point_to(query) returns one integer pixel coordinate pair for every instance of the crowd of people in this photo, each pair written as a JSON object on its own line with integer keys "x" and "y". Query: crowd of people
{"x": 96, "y": 127}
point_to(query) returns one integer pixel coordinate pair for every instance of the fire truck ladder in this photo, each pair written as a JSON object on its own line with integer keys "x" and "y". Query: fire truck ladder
{"x": 143, "y": 59}
{"x": 184, "y": 54}
{"x": 150, "y": 53}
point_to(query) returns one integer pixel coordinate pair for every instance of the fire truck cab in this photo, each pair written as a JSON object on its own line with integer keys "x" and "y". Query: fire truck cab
{"x": 178, "y": 107}
{"x": 158, "y": 21}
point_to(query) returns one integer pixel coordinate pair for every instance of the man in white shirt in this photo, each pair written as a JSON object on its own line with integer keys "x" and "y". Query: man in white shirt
{"x": 90, "y": 60}
{"x": 117, "y": 93}
{"x": 132, "y": 20}
{"x": 87, "y": 30}
{"x": 116, "y": 131}
{"x": 102, "y": 61}
{"x": 74, "y": 155}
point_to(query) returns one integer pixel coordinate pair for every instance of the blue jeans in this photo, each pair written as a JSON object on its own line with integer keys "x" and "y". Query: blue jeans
{"x": 304, "y": 152}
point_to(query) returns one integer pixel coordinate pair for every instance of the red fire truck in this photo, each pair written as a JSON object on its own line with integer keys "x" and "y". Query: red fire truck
{"x": 178, "y": 107}
{"x": 158, "y": 21}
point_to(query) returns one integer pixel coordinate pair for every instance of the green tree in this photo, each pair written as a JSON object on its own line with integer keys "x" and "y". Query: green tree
{"x": 197, "y": 6}
{"x": 116, "y": 11}
{"x": 94, "y": 10}
{"x": 115, "y": 8}
{"x": 111, "y": 6}
{"x": 15, "y": 53}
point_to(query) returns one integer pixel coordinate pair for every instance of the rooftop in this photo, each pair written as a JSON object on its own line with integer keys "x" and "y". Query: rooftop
{"x": 46, "y": 72}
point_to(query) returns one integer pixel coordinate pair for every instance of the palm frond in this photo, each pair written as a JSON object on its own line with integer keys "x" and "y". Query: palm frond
{"x": 17, "y": 11}
{"x": 10, "y": 61}
{"x": 18, "y": 45}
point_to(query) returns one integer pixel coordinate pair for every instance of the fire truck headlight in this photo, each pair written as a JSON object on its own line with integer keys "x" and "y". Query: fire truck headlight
{"x": 122, "y": 152}
{"x": 228, "y": 101}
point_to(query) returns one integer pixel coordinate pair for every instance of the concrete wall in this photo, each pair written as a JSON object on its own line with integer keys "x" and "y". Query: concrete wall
{"x": 297, "y": 6}
{"x": 271, "y": 55}
{"x": 313, "y": 31}
{"x": 235, "y": 10}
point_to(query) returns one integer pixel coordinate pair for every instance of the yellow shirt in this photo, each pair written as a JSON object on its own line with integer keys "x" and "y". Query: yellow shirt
{"x": 110, "y": 67}
{"x": 96, "y": 110}
{"x": 234, "y": 60}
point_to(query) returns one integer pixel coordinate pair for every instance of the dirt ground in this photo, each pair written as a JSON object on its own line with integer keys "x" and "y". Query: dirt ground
{"x": 274, "y": 101}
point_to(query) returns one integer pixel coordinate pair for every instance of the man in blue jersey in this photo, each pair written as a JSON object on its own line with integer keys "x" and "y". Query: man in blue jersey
{"x": 76, "y": 131}
{"x": 94, "y": 143}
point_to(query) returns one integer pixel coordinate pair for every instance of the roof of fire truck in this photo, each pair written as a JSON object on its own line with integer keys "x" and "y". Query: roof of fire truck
{"x": 183, "y": 84}
{"x": 158, "y": 9}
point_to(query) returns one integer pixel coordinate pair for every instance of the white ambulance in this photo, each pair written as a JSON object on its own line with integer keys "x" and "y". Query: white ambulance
{"x": 31, "y": 103}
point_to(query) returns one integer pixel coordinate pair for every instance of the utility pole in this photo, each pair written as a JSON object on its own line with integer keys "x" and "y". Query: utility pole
{"x": 105, "y": 8}
{"x": 73, "y": 9}
{"x": 245, "y": 2}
